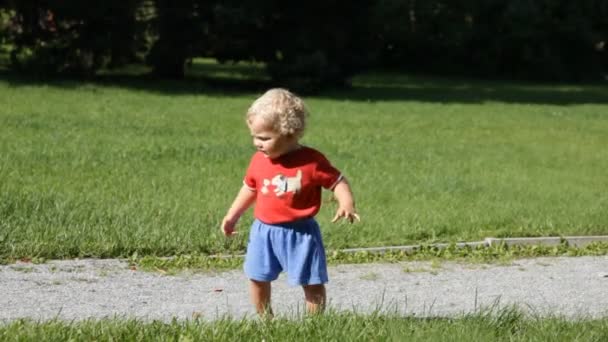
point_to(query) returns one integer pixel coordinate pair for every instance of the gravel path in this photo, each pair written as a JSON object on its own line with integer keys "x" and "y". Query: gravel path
{"x": 81, "y": 289}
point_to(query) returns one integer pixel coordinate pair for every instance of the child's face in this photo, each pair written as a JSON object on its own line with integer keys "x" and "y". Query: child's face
{"x": 268, "y": 141}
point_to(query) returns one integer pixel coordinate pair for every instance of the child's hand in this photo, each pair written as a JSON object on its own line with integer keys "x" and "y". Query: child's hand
{"x": 348, "y": 214}
{"x": 346, "y": 204}
{"x": 228, "y": 226}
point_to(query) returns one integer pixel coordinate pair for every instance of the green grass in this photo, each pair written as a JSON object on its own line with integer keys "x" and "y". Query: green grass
{"x": 501, "y": 254}
{"x": 502, "y": 325}
{"x": 126, "y": 165}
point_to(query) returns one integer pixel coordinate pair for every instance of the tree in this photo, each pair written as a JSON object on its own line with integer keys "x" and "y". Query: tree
{"x": 70, "y": 36}
{"x": 305, "y": 45}
{"x": 178, "y": 28}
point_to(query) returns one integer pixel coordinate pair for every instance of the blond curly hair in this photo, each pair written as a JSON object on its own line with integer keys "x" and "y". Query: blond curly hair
{"x": 284, "y": 111}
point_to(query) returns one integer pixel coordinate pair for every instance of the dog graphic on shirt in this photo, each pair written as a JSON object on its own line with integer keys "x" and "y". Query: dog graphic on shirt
{"x": 283, "y": 184}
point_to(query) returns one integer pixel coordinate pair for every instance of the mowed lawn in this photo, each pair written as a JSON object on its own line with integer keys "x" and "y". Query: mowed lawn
{"x": 108, "y": 169}
{"x": 503, "y": 325}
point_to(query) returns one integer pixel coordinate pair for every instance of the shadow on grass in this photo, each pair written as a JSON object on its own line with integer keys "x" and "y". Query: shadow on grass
{"x": 234, "y": 80}
{"x": 188, "y": 86}
{"x": 401, "y": 87}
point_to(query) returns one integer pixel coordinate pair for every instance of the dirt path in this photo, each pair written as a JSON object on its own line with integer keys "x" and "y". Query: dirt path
{"x": 82, "y": 289}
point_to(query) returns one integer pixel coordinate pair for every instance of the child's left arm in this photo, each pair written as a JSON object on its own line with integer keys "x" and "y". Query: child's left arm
{"x": 346, "y": 202}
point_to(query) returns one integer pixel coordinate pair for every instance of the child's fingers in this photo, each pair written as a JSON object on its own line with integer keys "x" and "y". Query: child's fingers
{"x": 350, "y": 217}
{"x": 227, "y": 229}
{"x": 230, "y": 232}
{"x": 336, "y": 218}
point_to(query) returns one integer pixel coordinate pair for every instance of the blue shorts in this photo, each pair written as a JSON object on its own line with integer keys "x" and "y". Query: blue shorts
{"x": 293, "y": 247}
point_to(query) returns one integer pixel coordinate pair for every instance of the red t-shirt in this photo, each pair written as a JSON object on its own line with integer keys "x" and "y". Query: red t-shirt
{"x": 289, "y": 188}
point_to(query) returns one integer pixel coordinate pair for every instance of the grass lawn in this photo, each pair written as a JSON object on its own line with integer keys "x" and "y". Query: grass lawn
{"x": 125, "y": 165}
{"x": 506, "y": 325}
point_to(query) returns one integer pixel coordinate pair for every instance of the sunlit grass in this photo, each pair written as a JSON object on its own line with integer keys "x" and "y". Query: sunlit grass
{"x": 112, "y": 168}
{"x": 501, "y": 325}
{"x": 501, "y": 254}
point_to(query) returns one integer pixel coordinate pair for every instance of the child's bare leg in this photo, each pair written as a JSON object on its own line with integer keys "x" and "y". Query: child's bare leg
{"x": 260, "y": 297}
{"x": 315, "y": 298}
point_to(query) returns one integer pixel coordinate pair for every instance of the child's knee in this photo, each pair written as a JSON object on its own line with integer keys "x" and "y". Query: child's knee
{"x": 314, "y": 291}
{"x": 259, "y": 284}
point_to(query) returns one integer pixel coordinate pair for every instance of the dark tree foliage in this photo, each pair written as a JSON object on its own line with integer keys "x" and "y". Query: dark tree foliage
{"x": 305, "y": 45}
{"x": 178, "y": 25}
{"x": 540, "y": 39}
{"x": 546, "y": 39}
{"x": 70, "y": 36}
{"x": 312, "y": 44}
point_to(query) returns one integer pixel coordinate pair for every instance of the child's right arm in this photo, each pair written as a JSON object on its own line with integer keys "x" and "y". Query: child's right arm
{"x": 244, "y": 199}
{"x": 346, "y": 202}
